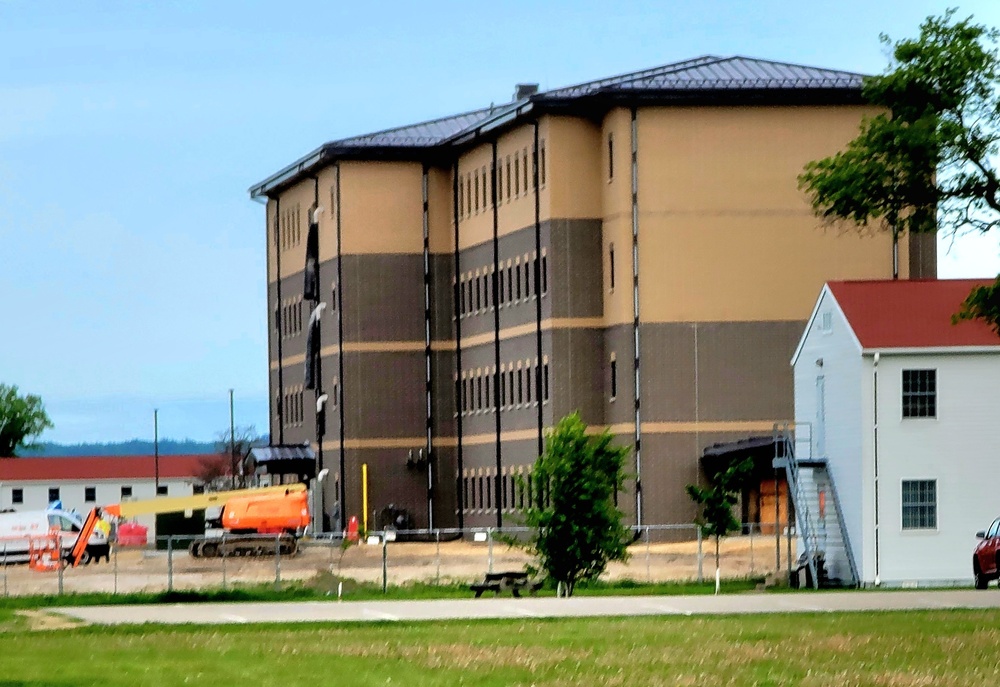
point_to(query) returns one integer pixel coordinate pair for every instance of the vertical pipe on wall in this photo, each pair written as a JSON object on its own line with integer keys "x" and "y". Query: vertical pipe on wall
{"x": 539, "y": 392}
{"x": 460, "y": 500}
{"x": 635, "y": 317}
{"x": 279, "y": 333}
{"x": 495, "y": 304}
{"x": 428, "y": 428}
{"x": 340, "y": 350}
{"x": 319, "y": 416}
{"x": 875, "y": 460}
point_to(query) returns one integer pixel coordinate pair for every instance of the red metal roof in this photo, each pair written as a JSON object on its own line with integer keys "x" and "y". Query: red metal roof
{"x": 99, "y": 467}
{"x": 911, "y": 313}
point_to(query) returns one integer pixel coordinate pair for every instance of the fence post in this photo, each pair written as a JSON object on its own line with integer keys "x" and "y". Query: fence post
{"x": 751, "y": 549}
{"x": 62, "y": 566}
{"x": 701, "y": 558}
{"x": 437, "y": 556}
{"x": 649, "y": 577}
{"x": 222, "y": 550}
{"x": 115, "y": 552}
{"x": 277, "y": 561}
{"x": 385, "y": 563}
{"x": 170, "y": 563}
{"x": 489, "y": 541}
{"x": 6, "y": 592}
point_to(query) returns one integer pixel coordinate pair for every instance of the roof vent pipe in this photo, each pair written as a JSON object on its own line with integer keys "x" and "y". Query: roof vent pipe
{"x": 523, "y": 90}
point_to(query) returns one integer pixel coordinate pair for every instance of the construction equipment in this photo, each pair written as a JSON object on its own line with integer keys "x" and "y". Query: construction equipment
{"x": 246, "y": 516}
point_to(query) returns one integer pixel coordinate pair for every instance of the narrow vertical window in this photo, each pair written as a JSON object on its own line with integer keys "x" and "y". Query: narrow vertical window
{"x": 461, "y": 198}
{"x": 528, "y": 384}
{"x": 489, "y": 396}
{"x": 468, "y": 194}
{"x": 500, "y": 280}
{"x": 517, "y": 176}
{"x": 614, "y": 378}
{"x": 611, "y": 265}
{"x": 510, "y": 282}
{"x": 545, "y": 381}
{"x": 508, "y": 177}
{"x": 520, "y": 386}
{"x": 336, "y": 392}
{"x": 545, "y": 275}
{"x": 541, "y": 161}
{"x": 479, "y": 301}
{"x": 486, "y": 194}
{"x": 489, "y": 492}
{"x": 333, "y": 297}
{"x": 510, "y": 379}
{"x": 611, "y": 156}
{"x": 499, "y": 178}
{"x": 503, "y": 387}
{"x": 524, "y": 157}
{"x": 475, "y": 197}
{"x": 517, "y": 273}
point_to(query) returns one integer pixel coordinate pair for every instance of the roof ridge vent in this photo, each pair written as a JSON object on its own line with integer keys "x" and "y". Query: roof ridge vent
{"x": 524, "y": 90}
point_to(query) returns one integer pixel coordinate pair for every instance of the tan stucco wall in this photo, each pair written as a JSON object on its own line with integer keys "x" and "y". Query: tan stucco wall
{"x": 725, "y": 233}
{"x": 381, "y": 208}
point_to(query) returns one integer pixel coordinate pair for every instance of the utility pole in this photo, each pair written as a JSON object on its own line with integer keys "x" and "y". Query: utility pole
{"x": 156, "y": 448}
{"x": 232, "y": 437}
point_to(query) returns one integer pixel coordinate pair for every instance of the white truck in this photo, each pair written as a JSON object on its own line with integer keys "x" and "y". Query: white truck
{"x": 18, "y": 527}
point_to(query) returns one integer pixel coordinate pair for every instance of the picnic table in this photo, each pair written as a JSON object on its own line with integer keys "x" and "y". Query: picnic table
{"x": 512, "y": 581}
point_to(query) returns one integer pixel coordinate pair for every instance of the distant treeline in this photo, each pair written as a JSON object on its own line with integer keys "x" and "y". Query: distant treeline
{"x": 135, "y": 447}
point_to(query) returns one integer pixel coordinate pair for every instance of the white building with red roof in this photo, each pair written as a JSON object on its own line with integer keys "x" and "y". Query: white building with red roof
{"x": 900, "y": 409}
{"x": 81, "y": 483}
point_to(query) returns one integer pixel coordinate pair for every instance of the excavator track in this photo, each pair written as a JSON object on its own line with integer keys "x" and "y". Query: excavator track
{"x": 247, "y": 546}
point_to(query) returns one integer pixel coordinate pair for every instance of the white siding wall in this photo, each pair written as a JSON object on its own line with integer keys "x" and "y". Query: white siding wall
{"x": 960, "y": 449}
{"x": 71, "y": 493}
{"x": 842, "y": 371}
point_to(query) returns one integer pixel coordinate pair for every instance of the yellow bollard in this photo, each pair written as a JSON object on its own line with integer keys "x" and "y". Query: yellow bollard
{"x": 364, "y": 499}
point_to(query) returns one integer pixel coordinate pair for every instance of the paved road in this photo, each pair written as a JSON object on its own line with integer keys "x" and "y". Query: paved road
{"x": 447, "y": 609}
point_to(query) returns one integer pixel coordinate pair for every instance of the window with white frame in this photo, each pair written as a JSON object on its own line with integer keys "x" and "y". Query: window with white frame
{"x": 919, "y": 504}
{"x": 919, "y": 393}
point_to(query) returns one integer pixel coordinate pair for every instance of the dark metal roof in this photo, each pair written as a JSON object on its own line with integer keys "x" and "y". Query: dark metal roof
{"x": 266, "y": 454}
{"x": 423, "y": 134}
{"x": 739, "y": 73}
{"x": 707, "y": 75}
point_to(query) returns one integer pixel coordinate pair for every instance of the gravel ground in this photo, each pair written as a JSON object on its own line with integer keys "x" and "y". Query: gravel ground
{"x": 133, "y": 570}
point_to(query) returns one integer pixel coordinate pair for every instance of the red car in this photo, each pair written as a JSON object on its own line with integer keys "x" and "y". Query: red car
{"x": 984, "y": 561}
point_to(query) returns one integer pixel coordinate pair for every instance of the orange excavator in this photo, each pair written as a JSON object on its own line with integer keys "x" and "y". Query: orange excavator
{"x": 282, "y": 512}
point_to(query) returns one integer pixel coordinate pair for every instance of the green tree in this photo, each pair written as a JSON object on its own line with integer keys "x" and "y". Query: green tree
{"x": 928, "y": 161}
{"x": 717, "y": 502}
{"x": 21, "y": 419}
{"x": 576, "y": 527}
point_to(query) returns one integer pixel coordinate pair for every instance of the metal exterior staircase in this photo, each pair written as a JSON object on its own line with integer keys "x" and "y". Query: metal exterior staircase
{"x": 821, "y": 534}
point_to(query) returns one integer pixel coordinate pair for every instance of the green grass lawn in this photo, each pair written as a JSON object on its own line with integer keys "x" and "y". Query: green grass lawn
{"x": 905, "y": 649}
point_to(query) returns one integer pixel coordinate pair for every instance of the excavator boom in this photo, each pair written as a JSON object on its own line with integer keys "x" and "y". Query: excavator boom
{"x": 176, "y": 504}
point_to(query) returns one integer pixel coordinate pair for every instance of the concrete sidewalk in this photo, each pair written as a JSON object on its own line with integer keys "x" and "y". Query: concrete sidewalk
{"x": 577, "y": 607}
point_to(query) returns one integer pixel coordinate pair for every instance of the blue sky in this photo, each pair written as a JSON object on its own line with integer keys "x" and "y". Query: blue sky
{"x": 132, "y": 260}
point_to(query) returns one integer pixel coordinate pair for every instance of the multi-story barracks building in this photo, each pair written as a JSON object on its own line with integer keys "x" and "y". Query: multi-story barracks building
{"x": 635, "y": 248}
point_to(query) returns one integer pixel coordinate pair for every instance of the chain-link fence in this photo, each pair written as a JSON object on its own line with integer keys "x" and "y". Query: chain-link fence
{"x": 657, "y": 554}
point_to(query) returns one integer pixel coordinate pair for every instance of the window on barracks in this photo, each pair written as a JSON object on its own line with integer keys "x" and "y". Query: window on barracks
{"x": 524, "y": 157}
{"x": 508, "y": 177}
{"x": 541, "y": 161}
{"x": 919, "y": 393}
{"x": 161, "y": 490}
{"x": 476, "y": 197}
{"x": 545, "y": 381}
{"x": 614, "y": 378}
{"x": 517, "y": 176}
{"x": 545, "y": 274}
{"x": 611, "y": 157}
{"x": 919, "y": 502}
{"x": 53, "y": 494}
{"x": 468, "y": 194}
{"x": 17, "y": 495}
{"x": 486, "y": 196}
{"x": 126, "y": 492}
{"x": 90, "y": 494}
{"x": 611, "y": 265}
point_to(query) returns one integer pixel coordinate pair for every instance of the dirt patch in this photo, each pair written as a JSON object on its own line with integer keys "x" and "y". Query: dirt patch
{"x": 43, "y": 620}
{"x": 143, "y": 570}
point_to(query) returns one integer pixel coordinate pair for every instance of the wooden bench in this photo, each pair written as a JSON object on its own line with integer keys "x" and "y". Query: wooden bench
{"x": 513, "y": 581}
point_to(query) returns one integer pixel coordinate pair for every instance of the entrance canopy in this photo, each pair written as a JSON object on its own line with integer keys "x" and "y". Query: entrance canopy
{"x": 295, "y": 459}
